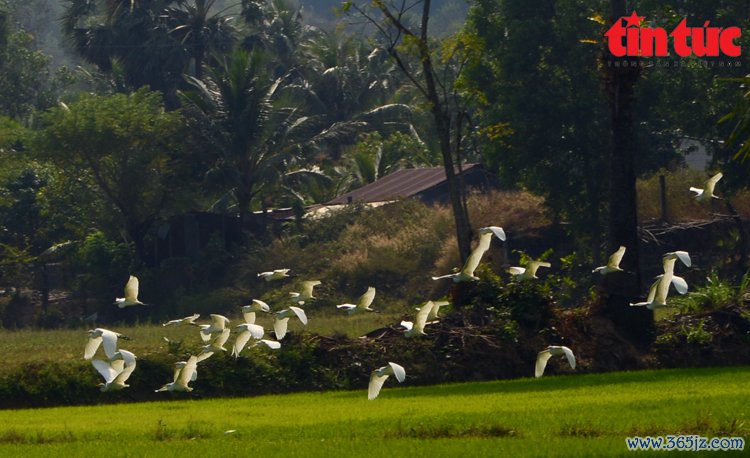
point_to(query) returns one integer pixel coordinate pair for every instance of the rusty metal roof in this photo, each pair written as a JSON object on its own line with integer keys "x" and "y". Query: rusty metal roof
{"x": 399, "y": 184}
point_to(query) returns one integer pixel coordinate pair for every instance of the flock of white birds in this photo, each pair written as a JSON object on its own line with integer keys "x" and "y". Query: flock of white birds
{"x": 119, "y": 364}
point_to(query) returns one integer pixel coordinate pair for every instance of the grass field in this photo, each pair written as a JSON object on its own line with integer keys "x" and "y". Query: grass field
{"x": 28, "y": 346}
{"x": 586, "y": 415}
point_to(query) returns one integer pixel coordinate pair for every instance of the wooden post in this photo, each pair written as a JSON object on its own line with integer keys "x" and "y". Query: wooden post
{"x": 663, "y": 197}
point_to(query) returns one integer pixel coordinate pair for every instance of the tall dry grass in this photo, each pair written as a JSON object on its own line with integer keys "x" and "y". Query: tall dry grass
{"x": 681, "y": 204}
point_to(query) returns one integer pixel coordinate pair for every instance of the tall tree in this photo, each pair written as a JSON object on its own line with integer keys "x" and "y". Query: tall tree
{"x": 129, "y": 147}
{"x": 541, "y": 132}
{"x": 25, "y": 81}
{"x": 620, "y": 76}
{"x": 407, "y": 40}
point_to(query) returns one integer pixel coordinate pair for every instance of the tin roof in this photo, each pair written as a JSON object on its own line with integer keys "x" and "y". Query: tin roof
{"x": 399, "y": 184}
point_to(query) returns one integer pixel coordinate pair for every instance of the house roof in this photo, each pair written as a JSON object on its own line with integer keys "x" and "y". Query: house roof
{"x": 399, "y": 184}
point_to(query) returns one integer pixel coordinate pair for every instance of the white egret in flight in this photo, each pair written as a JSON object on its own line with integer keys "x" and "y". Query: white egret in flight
{"x": 705, "y": 194}
{"x": 98, "y": 337}
{"x": 547, "y": 353}
{"x": 435, "y": 309}
{"x": 613, "y": 264}
{"x": 417, "y": 327}
{"x": 277, "y": 274}
{"x": 115, "y": 372}
{"x": 215, "y": 346}
{"x": 248, "y": 311}
{"x": 218, "y": 323}
{"x": 380, "y": 375}
{"x": 307, "y": 292}
{"x": 472, "y": 262}
{"x": 131, "y": 294}
{"x": 363, "y": 303}
{"x": 183, "y": 378}
{"x": 187, "y": 320}
{"x": 247, "y": 331}
{"x": 528, "y": 272}
{"x": 281, "y": 320}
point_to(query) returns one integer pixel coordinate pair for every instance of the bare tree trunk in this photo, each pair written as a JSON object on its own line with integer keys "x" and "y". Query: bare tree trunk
{"x": 427, "y": 83}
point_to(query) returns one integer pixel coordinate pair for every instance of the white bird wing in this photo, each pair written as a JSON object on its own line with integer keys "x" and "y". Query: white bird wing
{"x": 109, "y": 342}
{"x": 436, "y": 309}
{"x": 398, "y": 371}
{"x": 124, "y": 375}
{"x": 91, "y": 346}
{"x": 222, "y": 338}
{"x": 616, "y": 258}
{"x": 684, "y": 257}
{"x": 131, "y": 289}
{"x": 698, "y": 192}
{"x": 570, "y": 356}
{"x": 177, "y": 370}
{"x": 516, "y": 270}
{"x": 191, "y": 319}
{"x": 186, "y": 374}
{"x": 204, "y": 355}
{"x": 105, "y": 369}
{"x": 272, "y": 344}
{"x": 239, "y": 343}
{"x": 366, "y": 299}
{"x": 218, "y": 322}
{"x": 533, "y": 266}
{"x": 127, "y": 357}
{"x": 376, "y": 383}
{"x": 472, "y": 262}
{"x": 652, "y": 290}
{"x": 249, "y": 317}
{"x": 280, "y": 326}
{"x": 261, "y": 305}
{"x": 307, "y": 288}
{"x": 421, "y": 319}
{"x": 711, "y": 183}
{"x": 118, "y": 365}
{"x": 407, "y": 324}
{"x": 541, "y": 362}
{"x": 497, "y": 231}
{"x": 346, "y": 306}
{"x": 662, "y": 290}
{"x": 680, "y": 284}
{"x": 204, "y": 333}
{"x": 256, "y": 330}
{"x": 300, "y": 313}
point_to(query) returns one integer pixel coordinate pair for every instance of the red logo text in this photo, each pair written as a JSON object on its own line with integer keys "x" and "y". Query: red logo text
{"x": 636, "y": 41}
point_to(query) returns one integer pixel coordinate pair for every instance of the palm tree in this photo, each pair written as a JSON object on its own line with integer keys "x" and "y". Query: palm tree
{"x": 277, "y": 27}
{"x": 128, "y": 33}
{"x": 200, "y": 31}
{"x": 237, "y": 98}
{"x": 348, "y": 85}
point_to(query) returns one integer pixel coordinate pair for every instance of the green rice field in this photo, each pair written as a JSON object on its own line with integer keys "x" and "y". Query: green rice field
{"x": 571, "y": 416}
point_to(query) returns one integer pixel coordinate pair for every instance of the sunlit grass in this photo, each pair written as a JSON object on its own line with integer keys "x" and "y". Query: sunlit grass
{"x": 25, "y": 346}
{"x": 586, "y": 415}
